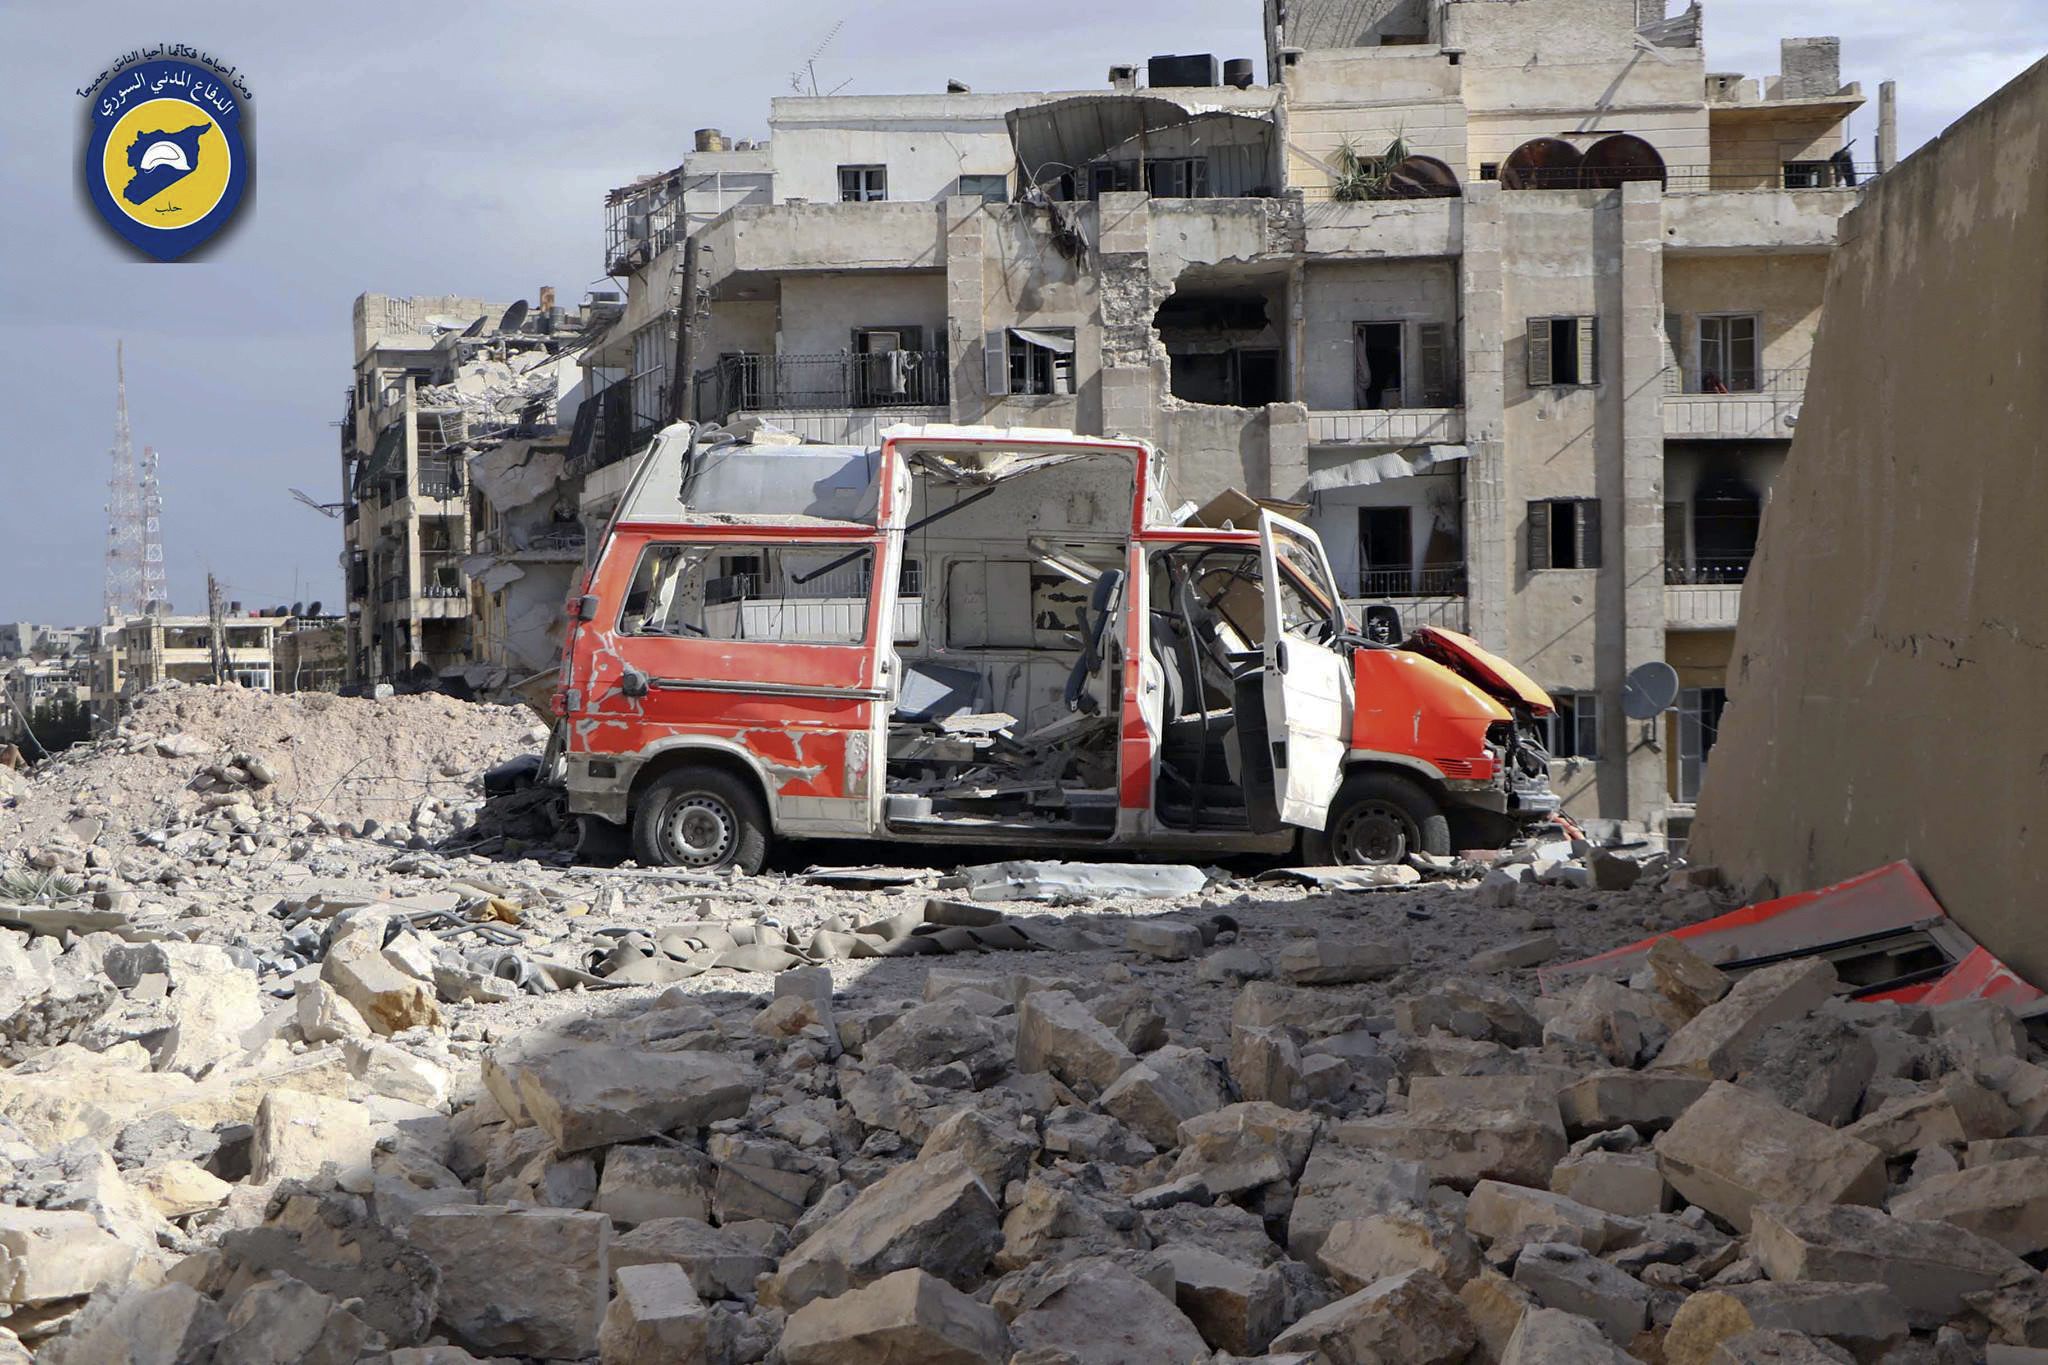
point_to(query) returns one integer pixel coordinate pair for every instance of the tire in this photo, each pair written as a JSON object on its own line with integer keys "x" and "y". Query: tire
{"x": 1378, "y": 817}
{"x": 703, "y": 819}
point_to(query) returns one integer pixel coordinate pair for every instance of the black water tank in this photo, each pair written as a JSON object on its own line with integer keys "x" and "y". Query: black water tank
{"x": 1182, "y": 71}
{"x": 1238, "y": 72}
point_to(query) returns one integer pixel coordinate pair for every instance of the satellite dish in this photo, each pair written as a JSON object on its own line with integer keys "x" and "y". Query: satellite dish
{"x": 476, "y": 326}
{"x": 298, "y": 609}
{"x": 313, "y": 610}
{"x": 1422, "y": 177}
{"x": 514, "y": 315}
{"x": 1542, "y": 163}
{"x": 1618, "y": 158}
{"x": 1649, "y": 691}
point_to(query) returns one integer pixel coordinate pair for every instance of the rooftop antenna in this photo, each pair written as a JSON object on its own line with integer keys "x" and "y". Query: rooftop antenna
{"x": 122, "y": 593}
{"x": 808, "y": 76}
{"x": 156, "y": 596}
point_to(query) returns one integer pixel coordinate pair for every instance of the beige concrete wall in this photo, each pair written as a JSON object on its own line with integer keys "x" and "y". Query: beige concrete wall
{"x": 1889, "y": 678}
{"x": 820, "y": 312}
{"x": 1784, "y": 291}
{"x": 1748, "y": 148}
{"x": 1339, "y": 297}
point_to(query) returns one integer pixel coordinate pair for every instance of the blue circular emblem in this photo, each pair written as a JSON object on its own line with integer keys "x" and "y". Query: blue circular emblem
{"x": 166, "y": 164}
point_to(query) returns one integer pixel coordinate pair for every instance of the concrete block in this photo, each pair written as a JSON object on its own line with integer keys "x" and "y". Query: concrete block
{"x": 1465, "y": 1129}
{"x": 1624, "y": 1183}
{"x": 2006, "y": 1202}
{"x": 905, "y": 1316}
{"x": 1362, "y": 1251}
{"x": 1498, "y": 1212}
{"x": 1410, "y": 1318}
{"x": 528, "y": 1282}
{"x": 1643, "y": 1100}
{"x": 1571, "y": 1278}
{"x": 1713, "y": 1041}
{"x": 1927, "y": 1267}
{"x": 1734, "y": 1149}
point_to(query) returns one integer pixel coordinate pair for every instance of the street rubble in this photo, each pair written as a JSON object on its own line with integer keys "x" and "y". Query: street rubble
{"x": 312, "y": 1054}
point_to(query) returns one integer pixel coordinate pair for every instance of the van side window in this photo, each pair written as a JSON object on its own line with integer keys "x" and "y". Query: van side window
{"x": 768, "y": 594}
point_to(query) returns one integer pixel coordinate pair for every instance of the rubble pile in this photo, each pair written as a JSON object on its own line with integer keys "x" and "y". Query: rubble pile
{"x": 356, "y": 1101}
{"x": 259, "y": 768}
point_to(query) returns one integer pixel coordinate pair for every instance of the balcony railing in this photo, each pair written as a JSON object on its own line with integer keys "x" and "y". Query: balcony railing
{"x": 1771, "y": 175}
{"x": 1707, "y": 569}
{"x": 1693, "y": 379}
{"x": 1429, "y": 580}
{"x": 801, "y": 383}
{"x": 1435, "y": 423}
{"x": 441, "y": 576}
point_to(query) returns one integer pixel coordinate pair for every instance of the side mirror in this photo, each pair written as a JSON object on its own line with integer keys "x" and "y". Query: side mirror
{"x": 586, "y": 607}
{"x": 1383, "y": 625}
{"x": 633, "y": 682}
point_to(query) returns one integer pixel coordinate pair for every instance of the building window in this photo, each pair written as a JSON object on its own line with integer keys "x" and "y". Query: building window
{"x": 1489, "y": 170}
{"x": 1563, "y": 352}
{"x": 989, "y": 189}
{"x": 1807, "y": 175}
{"x": 1177, "y": 178}
{"x": 863, "y": 184}
{"x": 1573, "y": 730}
{"x": 1729, "y": 346}
{"x": 1376, "y": 360}
{"x": 1564, "y": 533}
{"x": 1029, "y": 360}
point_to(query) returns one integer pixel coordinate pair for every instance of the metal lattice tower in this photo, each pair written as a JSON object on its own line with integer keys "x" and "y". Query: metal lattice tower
{"x": 156, "y": 596}
{"x": 123, "y": 592}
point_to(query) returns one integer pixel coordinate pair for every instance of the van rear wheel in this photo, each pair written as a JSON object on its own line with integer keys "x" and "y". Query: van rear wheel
{"x": 703, "y": 819}
{"x": 1378, "y": 818}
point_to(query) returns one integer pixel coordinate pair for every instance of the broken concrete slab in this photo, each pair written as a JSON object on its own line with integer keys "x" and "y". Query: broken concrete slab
{"x": 1713, "y": 1041}
{"x": 311, "y": 1137}
{"x": 389, "y": 1000}
{"x": 1571, "y": 1278}
{"x": 1498, "y": 1212}
{"x": 1862, "y": 1317}
{"x": 1096, "y": 1311}
{"x": 1340, "y": 1182}
{"x": 1550, "y": 1336}
{"x": 1154, "y": 1095}
{"x": 1644, "y": 1100}
{"x": 1465, "y": 1129}
{"x": 594, "y": 1096}
{"x": 1411, "y": 1318}
{"x": 1235, "y": 1305}
{"x": 286, "y": 1319}
{"x": 1928, "y": 1267}
{"x": 1624, "y": 1183}
{"x": 641, "y": 1184}
{"x": 1057, "y": 1033}
{"x": 46, "y": 1255}
{"x": 1362, "y": 1251}
{"x": 519, "y": 1281}
{"x": 722, "y": 1262}
{"x": 933, "y": 1214}
{"x": 2006, "y": 1201}
{"x": 1735, "y": 1149}
{"x": 1243, "y": 1146}
{"x": 905, "y": 1316}
{"x": 1321, "y": 961}
{"x": 1166, "y": 939}
{"x": 656, "y": 1318}
{"x": 1687, "y": 980}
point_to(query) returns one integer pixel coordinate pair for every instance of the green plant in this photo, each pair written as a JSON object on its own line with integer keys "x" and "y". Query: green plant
{"x": 24, "y": 885}
{"x": 1357, "y": 176}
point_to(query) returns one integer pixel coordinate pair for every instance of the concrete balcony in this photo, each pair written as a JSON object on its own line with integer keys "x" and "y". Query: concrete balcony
{"x": 763, "y": 240}
{"x": 1382, "y": 229}
{"x": 851, "y": 426}
{"x": 1758, "y": 407}
{"x": 1736, "y": 222}
{"x": 1702, "y": 606}
{"x": 1388, "y": 426}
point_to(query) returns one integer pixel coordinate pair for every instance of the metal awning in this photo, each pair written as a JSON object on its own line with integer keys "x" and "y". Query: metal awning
{"x": 1367, "y": 470}
{"x": 1058, "y": 345}
{"x": 1064, "y": 135}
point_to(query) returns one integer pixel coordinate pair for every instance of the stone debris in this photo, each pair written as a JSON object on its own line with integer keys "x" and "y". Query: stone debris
{"x": 311, "y": 1074}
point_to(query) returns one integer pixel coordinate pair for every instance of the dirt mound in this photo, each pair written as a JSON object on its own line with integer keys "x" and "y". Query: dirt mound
{"x": 344, "y": 759}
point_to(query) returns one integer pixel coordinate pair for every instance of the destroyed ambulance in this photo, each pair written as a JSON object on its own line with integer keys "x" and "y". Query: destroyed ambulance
{"x": 998, "y": 637}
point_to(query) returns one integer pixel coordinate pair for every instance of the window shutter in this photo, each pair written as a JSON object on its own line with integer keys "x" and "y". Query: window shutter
{"x": 1539, "y": 352}
{"x": 995, "y": 356}
{"x": 1589, "y": 533}
{"x": 1589, "y": 350}
{"x": 1539, "y": 535}
{"x": 1431, "y": 341}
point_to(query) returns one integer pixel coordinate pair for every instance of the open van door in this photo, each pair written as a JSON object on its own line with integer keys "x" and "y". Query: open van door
{"x": 1306, "y": 678}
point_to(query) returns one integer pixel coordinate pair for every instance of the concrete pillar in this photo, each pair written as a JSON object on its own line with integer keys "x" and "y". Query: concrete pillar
{"x": 1287, "y": 451}
{"x": 1887, "y": 125}
{"x": 1638, "y": 574}
{"x": 1489, "y": 530}
{"x": 964, "y": 222}
{"x": 1133, "y": 361}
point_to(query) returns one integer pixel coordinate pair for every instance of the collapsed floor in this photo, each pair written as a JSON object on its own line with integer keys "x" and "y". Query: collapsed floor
{"x": 276, "y": 1089}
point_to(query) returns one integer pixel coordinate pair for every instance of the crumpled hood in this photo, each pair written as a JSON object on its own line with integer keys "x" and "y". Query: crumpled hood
{"x": 1487, "y": 670}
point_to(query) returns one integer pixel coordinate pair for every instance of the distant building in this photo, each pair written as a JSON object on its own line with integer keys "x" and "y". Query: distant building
{"x": 312, "y": 656}
{"x": 145, "y": 651}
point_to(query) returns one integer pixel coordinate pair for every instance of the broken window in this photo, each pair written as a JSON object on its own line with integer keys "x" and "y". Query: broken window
{"x": 1029, "y": 360}
{"x": 863, "y": 184}
{"x": 1564, "y": 533}
{"x": 803, "y": 594}
{"x": 989, "y": 189}
{"x": 1377, "y": 358}
{"x": 1563, "y": 351}
{"x": 1184, "y": 177}
{"x": 1111, "y": 177}
{"x": 1728, "y": 353}
{"x": 1573, "y": 729}
{"x": 1386, "y": 551}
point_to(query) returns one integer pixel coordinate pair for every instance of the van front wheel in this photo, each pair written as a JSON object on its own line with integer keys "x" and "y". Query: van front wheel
{"x": 704, "y": 819}
{"x": 1379, "y": 818}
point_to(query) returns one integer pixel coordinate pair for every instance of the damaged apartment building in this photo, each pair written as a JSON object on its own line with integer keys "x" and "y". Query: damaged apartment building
{"x": 452, "y": 399}
{"x": 1514, "y": 298}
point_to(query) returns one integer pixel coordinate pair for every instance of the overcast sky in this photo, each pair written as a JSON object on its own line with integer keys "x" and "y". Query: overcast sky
{"x": 466, "y": 149}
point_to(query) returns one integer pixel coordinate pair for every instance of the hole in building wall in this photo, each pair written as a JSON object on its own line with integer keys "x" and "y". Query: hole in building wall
{"x": 1223, "y": 343}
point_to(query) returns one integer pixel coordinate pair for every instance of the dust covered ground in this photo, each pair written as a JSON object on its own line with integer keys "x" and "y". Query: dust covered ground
{"x": 278, "y": 1088}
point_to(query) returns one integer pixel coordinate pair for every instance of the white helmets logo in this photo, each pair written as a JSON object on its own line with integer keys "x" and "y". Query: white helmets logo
{"x": 164, "y": 153}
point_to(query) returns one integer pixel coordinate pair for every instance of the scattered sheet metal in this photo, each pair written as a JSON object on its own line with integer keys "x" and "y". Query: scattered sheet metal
{"x": 865, "y": 878}
{"x": 1062, "y": 883}
{"x": 1376, "y": 878}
